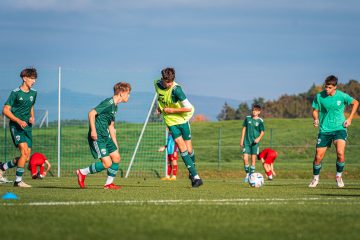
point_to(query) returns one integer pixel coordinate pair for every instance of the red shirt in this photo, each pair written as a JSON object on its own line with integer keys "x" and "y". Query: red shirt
{"x": 268, "y": 155}
{"x": 37, "y": 159}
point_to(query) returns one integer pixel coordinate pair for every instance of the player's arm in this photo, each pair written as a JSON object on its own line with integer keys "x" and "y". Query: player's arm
{"x": 112, "y": 132}
{"x": 48, "y": 166}
{"x": 242, "y": 137}
{"x": 7, "y": 112}
{"x": 32, "y": 115}
{"x": 185, "y": 107}
{"x": 92, "y": 115}
{"x": 355, "y": 105}
{"x": 315, "y": 115}
{"x": 262, "y": 133}
{"x": 272, "y": 169}
{"x": 162, "y": 148}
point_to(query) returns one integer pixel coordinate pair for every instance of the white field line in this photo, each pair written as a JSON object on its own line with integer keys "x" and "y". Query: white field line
{"x": 238, "y": 201}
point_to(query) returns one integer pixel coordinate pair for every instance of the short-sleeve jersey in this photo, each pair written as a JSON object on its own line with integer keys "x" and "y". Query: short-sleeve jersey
{"x": 37, "y": 159}
{"x": 106, "y": 112}
{"x": 253, "y": 129}
{"x": 21, "y": 103}
{"x": 331, "y": 110}
{"x": 171, "y": 98}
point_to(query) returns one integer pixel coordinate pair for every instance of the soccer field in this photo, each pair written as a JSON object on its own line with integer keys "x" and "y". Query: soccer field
{"x": 153, "y": 209}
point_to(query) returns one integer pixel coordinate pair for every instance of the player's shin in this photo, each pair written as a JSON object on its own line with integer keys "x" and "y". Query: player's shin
{"x": 339, "y": 168}
{"x": 111, "y": 173}
{"x": 316, "y": 170}
{"x": 189, "y": 163}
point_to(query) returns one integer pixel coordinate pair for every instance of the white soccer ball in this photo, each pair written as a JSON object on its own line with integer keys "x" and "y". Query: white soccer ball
{"x": 256, "y": 180}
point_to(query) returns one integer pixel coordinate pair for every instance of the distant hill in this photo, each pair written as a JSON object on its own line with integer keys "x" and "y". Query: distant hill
{"x": 75, "y": 105}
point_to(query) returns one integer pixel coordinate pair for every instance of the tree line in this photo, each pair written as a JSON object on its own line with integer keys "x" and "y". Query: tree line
{"x": 286, "y": 106}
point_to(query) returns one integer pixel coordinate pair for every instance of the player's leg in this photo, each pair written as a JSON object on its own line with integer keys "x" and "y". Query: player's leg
{"x": 20, "y": 169}
{"x": 253, "y": 162}
{"x": 340, "y": 162}
{"x": 96, "y": 167}
{"x": 323, "y": 142}
{"x": 112, "y": 170}
{"x": 268, "y": 171}
{"x": 174, "y": 168}
{"x": 246, "y": 166}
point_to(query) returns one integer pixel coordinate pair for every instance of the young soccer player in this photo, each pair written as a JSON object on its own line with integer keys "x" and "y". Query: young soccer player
{"x": 38, "y": 160}
{"x": 172, "y": 157}
{"x": 252, "y": 132}
{"x": 328, "y": 114}
{"x": 102, "y": 137}
{"x": 19, "y": 108}
{"x": 177, "y": 111}
{"x": 267, "y": 157}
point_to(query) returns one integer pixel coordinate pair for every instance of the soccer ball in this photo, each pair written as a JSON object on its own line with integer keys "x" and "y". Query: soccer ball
{"x": 256, "y": 180}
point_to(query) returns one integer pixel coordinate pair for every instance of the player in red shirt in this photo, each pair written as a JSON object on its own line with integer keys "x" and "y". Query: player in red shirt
{"x": 267, "y": 157}
{"x": 172, "y": 157}
{"x": 38, "y": 160}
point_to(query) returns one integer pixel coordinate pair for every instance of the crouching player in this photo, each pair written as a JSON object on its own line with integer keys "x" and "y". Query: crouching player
{"x": 267, "y": 157}
{"x": 172, "y": 157}
{"x": 38, "y": 160}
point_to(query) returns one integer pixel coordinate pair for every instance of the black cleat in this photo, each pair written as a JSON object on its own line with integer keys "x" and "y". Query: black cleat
{"x": 196, "y": 183}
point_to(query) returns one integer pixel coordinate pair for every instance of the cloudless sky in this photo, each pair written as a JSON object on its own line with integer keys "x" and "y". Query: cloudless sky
{"x": 239, "y": 49}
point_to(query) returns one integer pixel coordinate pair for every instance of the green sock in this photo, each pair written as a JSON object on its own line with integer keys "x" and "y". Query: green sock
{"x": 19, "y": 172}
{"x": 340, "y": 167}
{"x": 316, "y": 169}
{"x": 247, "y": 169}
{"x": 189, "y": 163}
{"x": 252, "y": 169}
{"x": 113, "y": 169}
{"x": 96, "y": 167}
{"x": 9, "y": 164}
{"x": 192, "y": 156}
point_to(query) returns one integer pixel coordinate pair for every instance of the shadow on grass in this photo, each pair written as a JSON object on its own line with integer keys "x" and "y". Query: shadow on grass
{"x": 339, "y": 195}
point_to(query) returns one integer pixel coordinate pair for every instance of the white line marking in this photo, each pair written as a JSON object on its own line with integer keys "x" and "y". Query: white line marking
{"x": 237, "y": 201}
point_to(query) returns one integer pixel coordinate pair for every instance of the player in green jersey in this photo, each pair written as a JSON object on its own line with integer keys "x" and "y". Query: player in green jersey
{"x": 102, "y": 137}
{"x": 328, "y": 114}
{"x": 177, "y": 111}
{"x": 252, "y": 132}
{"x": 19, "y": 108}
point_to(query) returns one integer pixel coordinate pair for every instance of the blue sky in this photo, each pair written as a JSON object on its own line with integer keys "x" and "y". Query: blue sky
{"x": 238, "y": 49}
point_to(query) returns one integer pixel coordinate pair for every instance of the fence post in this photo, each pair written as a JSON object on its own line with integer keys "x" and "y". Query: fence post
{"x": 219, "y": 148}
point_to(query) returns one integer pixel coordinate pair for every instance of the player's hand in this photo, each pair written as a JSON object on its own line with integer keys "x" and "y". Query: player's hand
{"x": 273, "y": 173}
{"x": 158, "y": 111}
{"x": 161, "y": 149}
{"x": 316, "y": 123}
{"x": 94, "y": 135}
{"x": 22, "y": 123}
{"x": 31, "y": 120}
{"x": 256, "y": 140}
{"x": 347, "y": 123}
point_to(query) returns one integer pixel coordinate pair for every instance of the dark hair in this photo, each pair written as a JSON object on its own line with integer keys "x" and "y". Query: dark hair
{"x": 331, "y": 80}
{"x": 28, "y": 72}
{"x": 122, "y": 87}
{"x": 256, "y": 107}
{"x": 168, "y": 74}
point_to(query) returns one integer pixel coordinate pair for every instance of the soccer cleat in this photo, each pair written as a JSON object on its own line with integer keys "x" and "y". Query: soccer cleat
{"x": 314, "y": 183}
{"x": 165, "y": 178}
{"x": 340, "y": 182}
{"x": 21, "y": 184}
{"x": 196, "y": 183}
{"x": 112, "y": 186}
{"x": 81, "y": 178}
{"x": 173, "y": 178}
{"x": 5, "y": 180}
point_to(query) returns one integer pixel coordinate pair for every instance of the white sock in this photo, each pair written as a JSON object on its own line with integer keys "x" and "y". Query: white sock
{"x": 316, "y": 177}
{"x": 339, "y": 174}
{"x": 18, "y": 179}
{"x": 197, "y": 177}
{"x": 85, "y": 171}
{"x": 109, "y": 180}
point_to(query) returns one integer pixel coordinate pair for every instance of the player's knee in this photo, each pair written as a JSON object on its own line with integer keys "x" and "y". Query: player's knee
{"x": 107, "y": 164}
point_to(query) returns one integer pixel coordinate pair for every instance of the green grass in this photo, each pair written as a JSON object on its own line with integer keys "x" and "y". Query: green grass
{"x": 153, "y": 209}
{"x": 224, "y": 208}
